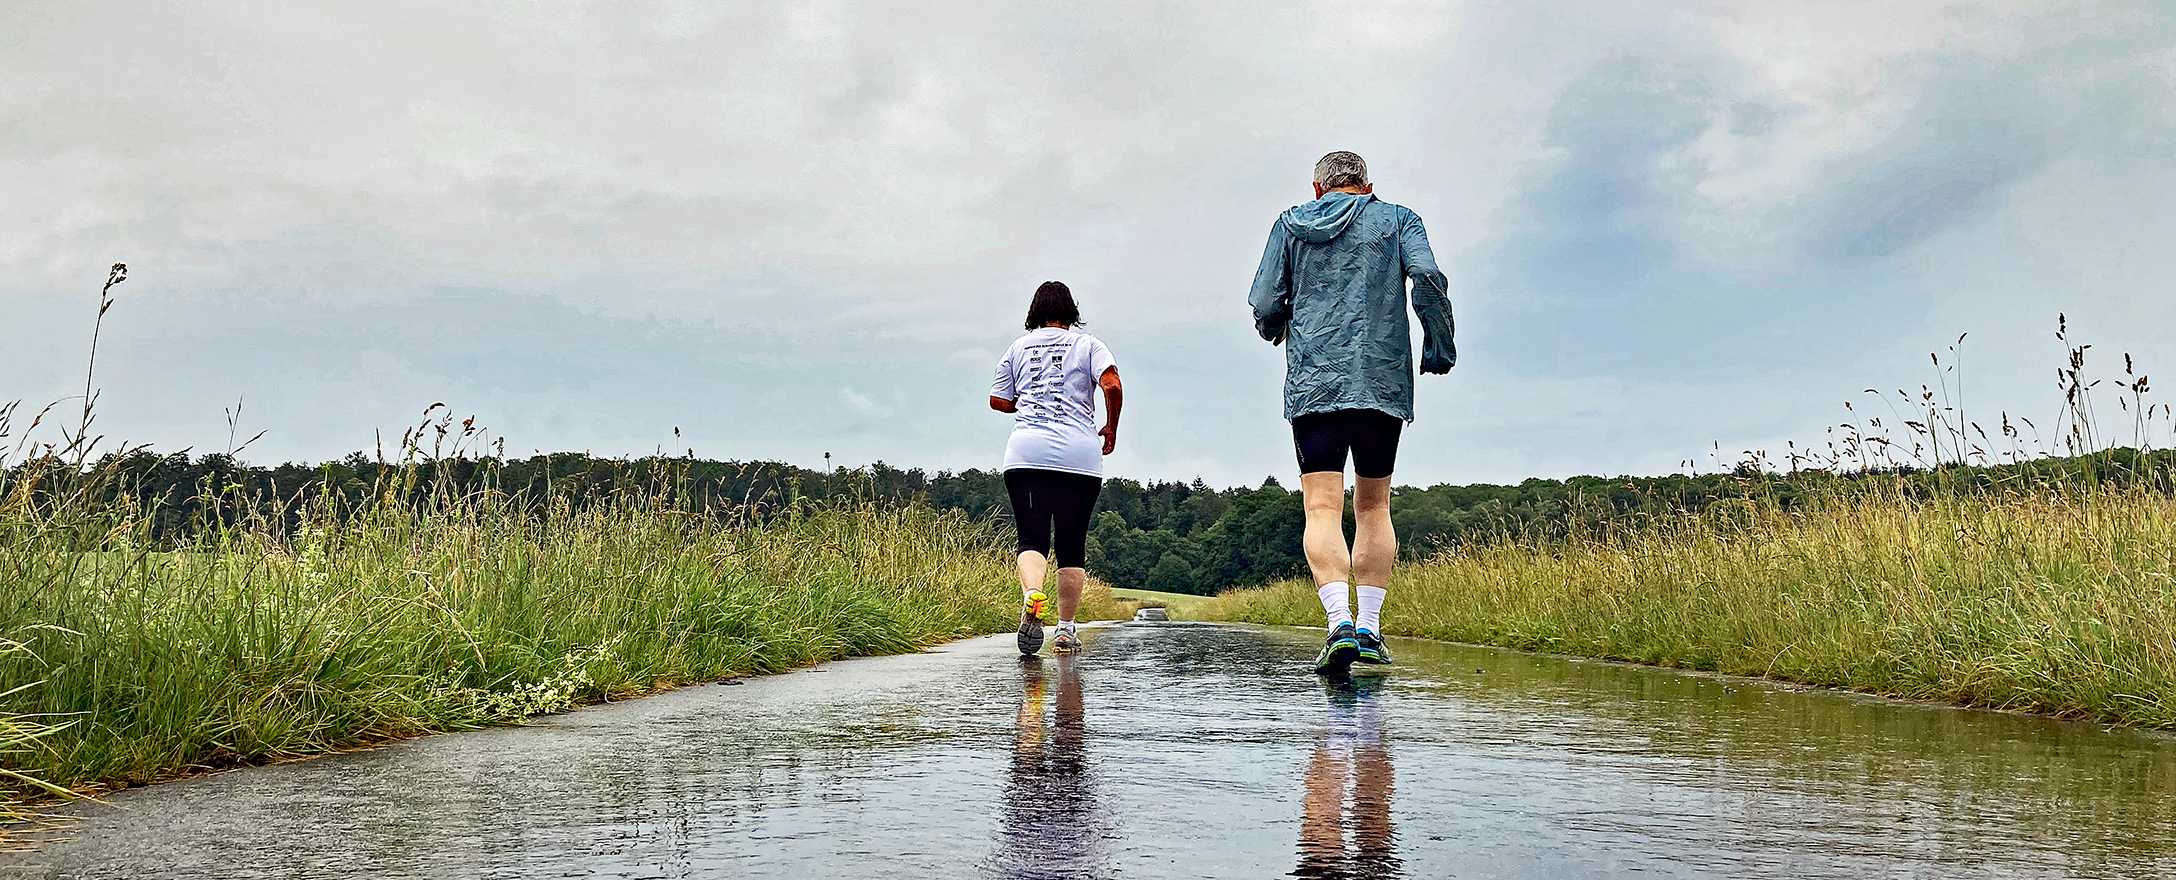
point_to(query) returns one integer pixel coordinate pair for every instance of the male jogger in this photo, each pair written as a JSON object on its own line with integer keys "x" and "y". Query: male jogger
{"x": 1331, "y": 289}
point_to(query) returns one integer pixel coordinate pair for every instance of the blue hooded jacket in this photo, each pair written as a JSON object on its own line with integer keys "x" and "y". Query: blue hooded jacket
{"x": 1331, "y": 288}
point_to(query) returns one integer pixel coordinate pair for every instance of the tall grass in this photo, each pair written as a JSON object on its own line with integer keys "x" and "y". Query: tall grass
{"x": 1902, "y": 565}
{"x": 250, "y": 645}
{"x": 2064, "y": 605}
{"x": 289, "y": 627}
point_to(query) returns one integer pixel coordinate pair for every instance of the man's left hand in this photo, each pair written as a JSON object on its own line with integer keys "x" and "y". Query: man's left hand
{"x": 1432, "y": 363}
{"x": 1110, "y": 438}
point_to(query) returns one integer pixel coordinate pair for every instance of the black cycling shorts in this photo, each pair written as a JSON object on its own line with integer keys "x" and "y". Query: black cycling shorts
{"x": 1323, "y": 439}
{"x": 1053, "y": 501}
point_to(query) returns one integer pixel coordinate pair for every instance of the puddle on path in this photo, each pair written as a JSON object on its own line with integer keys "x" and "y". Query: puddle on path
{"x": 1174, "y": 750}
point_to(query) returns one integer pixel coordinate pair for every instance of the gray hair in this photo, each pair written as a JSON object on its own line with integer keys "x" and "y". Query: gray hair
{"x": 1341, "y": 168}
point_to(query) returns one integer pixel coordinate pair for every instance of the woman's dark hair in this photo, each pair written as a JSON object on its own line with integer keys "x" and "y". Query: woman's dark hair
{"x": 1053, "y": 304}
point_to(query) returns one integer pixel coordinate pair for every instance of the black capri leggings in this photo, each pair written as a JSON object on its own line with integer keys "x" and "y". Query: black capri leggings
{"x": 1045, "y": 501}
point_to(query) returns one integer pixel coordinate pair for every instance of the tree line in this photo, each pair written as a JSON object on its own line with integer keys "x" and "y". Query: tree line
{"x": 1185, "y": 537}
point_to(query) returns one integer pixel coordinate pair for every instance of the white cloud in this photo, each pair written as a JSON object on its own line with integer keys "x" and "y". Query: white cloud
{"x": 859, "y": 402}
{"x": 597, "y": 221}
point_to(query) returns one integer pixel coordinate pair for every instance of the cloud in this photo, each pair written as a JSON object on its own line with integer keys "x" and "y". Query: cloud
{"x": 596, "y": 222}
{"x": 859, "y": 402}
{"x": 1692, "y": 191}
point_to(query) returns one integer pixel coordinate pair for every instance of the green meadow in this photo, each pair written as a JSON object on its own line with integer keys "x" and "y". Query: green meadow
{"x": 2052, "y": 601}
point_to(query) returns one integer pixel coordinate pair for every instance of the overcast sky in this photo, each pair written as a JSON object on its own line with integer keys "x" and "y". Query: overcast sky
{"x": 793, "y": 230}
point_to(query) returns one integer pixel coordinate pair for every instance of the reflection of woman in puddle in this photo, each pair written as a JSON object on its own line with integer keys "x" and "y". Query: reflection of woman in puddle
{"x": 1350, "y": 751}
{"x": 1050, "y": 827}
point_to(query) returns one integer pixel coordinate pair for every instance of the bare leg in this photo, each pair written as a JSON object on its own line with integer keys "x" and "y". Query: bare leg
{"x": 1070, "y": 582}
{"x": 1028, "y": 723}
{"x": 1032, "y": 571}
{"x": 1372, "y": 829}
{"x": 1033, "y": 568}
{"x": 1374, "y": 541}
{"x": 1071, "y": 710}
{"x": 1324, "y": 541}
{"x": 1322, "y": 808}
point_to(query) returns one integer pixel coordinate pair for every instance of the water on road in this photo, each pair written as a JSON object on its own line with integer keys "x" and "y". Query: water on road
{"x": 1174, "y": 750}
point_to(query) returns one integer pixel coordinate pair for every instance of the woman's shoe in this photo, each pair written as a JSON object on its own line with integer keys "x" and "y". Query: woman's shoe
{"x": 1031, "y": 623}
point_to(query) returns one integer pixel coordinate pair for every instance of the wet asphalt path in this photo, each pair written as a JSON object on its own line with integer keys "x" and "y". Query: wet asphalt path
{"x": 1175, "y": 750}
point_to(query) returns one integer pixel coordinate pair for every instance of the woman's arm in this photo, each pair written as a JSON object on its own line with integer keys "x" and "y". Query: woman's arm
{"x": 1003, "y": 390}
{"x": 1114, "y": 399}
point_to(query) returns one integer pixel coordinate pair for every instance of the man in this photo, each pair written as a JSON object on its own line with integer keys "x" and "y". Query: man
{"x": 1331, "y": 289}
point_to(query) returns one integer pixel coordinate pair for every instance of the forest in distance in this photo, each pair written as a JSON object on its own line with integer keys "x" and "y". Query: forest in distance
{"x": 1183, "y": 537}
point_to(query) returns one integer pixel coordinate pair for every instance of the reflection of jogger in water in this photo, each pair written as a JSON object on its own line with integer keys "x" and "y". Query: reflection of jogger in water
{"x": 1351, "y": 751}
{"x": 1050, "y": 827}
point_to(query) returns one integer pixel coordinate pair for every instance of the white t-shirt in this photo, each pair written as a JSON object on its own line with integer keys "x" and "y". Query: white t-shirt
{"x": 1050, "y": 374}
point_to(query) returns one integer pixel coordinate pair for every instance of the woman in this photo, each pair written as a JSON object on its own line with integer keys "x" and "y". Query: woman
{"x": 1054, "y": 461}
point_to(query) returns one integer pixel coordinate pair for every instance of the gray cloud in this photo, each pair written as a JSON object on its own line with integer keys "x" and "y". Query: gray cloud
{"x": 593, "y": 223}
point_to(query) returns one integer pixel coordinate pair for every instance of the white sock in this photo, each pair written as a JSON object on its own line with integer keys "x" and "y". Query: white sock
{"x": 1065, "y": 625}
{"x": 1335, "y": 604}
{"x": 1371, "y": 608}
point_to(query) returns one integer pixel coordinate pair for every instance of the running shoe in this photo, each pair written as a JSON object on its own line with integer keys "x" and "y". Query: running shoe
{"x": 1372, "y": 649}
{"x": 1338, "y": 652}
{"x": 1031, "y": 623}
{"x": 1067, "y": 642}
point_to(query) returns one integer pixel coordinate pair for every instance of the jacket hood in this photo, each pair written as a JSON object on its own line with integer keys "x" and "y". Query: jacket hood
{"x": 1325, "y": 218}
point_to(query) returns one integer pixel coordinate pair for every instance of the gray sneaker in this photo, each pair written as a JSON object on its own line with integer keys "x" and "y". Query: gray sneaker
{"x": 1067, "y": 642}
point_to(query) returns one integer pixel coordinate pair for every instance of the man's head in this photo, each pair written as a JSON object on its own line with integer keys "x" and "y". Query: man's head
{"x": 1342, "y": 171}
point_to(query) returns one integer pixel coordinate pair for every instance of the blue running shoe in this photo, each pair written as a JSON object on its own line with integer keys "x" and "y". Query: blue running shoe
{"x": 1338, "y": 652}
{"x": 1372, "y": 649}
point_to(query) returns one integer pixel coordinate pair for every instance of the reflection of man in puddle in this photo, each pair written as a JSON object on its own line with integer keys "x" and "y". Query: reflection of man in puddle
{"x": 1050, "y": 827}
{"x": 1350, "y": 751}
